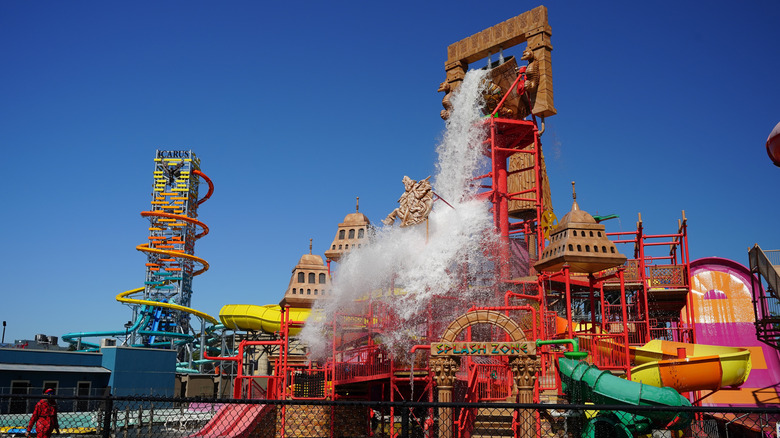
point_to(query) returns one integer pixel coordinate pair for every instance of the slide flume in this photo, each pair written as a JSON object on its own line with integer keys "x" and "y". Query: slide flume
{"x": 266, "y": 318}
{"x": 705, "y": 367}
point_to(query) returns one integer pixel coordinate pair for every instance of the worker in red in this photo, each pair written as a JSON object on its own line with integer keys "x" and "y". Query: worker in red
{"x": 44, "y": 416}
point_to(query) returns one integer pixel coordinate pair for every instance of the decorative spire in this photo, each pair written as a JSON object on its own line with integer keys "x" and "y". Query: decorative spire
{"x": 310, "y": 240}
{"x": 574, "y": 205}
{"x": 357, "y": 204}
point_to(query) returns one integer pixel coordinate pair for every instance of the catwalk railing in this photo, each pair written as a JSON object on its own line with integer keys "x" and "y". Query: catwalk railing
{"x": 766, "y": 300}
{"x": 189, "y": 417}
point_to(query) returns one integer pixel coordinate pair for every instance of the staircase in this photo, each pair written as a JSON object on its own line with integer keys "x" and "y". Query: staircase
{"x": 766, "y": 301}
{"x": 492, "y": 422}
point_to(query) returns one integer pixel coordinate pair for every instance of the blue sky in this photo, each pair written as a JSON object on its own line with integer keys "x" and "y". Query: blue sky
{"x": 296, "y": 108}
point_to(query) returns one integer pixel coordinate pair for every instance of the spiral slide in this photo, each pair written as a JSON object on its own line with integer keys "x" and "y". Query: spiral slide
{"x": 266, "y": 318}
{"x": 148, "y": 321}
{"x": 705, "y": 367}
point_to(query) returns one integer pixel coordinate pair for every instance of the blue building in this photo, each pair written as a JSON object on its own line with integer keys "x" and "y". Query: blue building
{"x": 118, "y": 370}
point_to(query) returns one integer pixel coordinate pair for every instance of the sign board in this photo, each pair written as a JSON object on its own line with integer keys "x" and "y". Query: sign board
{"x": 483, "y": 348}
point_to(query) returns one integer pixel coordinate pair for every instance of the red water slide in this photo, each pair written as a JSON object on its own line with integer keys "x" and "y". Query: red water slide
{"x": 233, "y": 421}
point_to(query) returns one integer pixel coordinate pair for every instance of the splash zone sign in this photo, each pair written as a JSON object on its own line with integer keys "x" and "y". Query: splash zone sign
{"x": 482, "y": 348}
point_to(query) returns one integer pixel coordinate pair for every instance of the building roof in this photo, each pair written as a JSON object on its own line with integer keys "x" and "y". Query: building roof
{"x": 53, "y": 368}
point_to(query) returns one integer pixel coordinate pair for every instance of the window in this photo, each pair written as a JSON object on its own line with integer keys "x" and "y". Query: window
{"x": 352, "y": 233}
{"x": 340, "y": 247}
{"x": 579, "y": 248}
{"x": 301, "y": 277}
{"x": 308, "y": 291}
{"x": 361, "y": 232}
{"x": 599, "y": 233}
{"x": 334, "y": 247}
{"x": 587, "y": 248}
{"x": 612, "y": 250}
{"x": 322, "y": 278}
{"x": 83, "y": 389}
{"x": 341, "y": 234}
{"x": 595, "y": 248}
{"x": 574, "y": 233}
{"x": 603, "y": 249}
{"x": 19, "y": 406}
{"x": 293, "y": 291}
{"x": 312, "y": 277}
{"x": 315, "y": 291}
{"x": 571, "y": 248}
{"x": 591, "y": 234}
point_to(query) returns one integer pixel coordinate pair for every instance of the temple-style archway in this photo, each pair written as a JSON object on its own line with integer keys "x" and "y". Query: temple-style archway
{"x": 522, "y": 360}
{"x": 492, "y": 317}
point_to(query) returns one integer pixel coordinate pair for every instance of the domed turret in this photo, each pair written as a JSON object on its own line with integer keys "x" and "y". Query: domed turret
{"x": 309, "y": 281}
{"x": 580, "y": 242}
{"x": 351, "y": 234}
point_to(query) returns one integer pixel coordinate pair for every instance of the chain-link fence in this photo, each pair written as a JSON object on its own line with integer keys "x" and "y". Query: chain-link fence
{"x": 131, "y": 417}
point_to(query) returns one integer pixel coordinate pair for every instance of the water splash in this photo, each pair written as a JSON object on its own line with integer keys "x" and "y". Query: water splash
{"x": 430, "y": 264}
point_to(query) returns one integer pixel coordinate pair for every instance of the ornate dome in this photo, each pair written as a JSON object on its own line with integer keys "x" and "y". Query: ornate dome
{"x": 580, "y": 242}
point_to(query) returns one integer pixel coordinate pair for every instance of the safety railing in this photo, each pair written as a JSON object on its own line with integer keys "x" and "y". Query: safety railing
{"x": 606, "y": 351}
{"x": 675, "y": 334}
{"x": 309, "y": 384}
{"x": 361, "y": 363}
{"x": 666, "y": 276}
{"x": 494, "y": 382}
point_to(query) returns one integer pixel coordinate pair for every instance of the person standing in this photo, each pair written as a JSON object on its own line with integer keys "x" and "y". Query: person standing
{"x": 44, "y": 417}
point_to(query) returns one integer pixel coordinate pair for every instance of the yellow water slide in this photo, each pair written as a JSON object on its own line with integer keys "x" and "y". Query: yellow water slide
{"x": 705, "y": 367}
{"x": 266, "y": 318}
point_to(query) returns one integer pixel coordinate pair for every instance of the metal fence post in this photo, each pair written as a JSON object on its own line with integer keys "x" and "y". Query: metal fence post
{"x": 109, "y": 404}
{"x": 404, "y": 421}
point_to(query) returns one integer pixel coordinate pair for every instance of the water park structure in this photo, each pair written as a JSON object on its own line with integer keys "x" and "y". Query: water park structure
{"x": 491, "y": 298}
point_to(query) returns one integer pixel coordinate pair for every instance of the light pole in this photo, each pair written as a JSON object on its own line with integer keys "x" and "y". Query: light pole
{"x": 3, "y": 341}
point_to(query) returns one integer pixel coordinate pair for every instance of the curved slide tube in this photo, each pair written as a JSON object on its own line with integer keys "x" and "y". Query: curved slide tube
{"x": 705, "y": 367}
{"x": 123, "y": 298}
{"x": 266, "y": 318}
{"x": 142, "y": 319}
{"x": 586, "y": 383}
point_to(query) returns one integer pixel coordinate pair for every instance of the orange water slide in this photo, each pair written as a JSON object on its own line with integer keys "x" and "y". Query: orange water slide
{"x": 703, "y": 367}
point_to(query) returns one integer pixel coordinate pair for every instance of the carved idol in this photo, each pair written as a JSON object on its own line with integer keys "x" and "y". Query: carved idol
{"x": 414, "y": 205}
{"x": 531, "y": 83}
{"x": 445, "y": 101}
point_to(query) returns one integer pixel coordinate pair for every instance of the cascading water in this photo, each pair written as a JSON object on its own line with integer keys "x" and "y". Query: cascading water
{"x": 425, "y": 265}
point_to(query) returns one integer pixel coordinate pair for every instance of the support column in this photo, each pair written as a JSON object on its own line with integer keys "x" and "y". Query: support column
{"x": 525, "y": 370}
{"x": 444, "y": 369}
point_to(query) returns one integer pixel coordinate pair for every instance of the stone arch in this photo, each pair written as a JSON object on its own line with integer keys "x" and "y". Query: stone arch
{"x": 492, "y": 317}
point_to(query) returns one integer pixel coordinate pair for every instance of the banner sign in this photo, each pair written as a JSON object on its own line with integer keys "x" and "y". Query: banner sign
{"x": 482, "y": 348}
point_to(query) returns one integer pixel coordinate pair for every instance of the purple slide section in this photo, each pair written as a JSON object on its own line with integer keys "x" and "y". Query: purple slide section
{"x": 727, "y": 320}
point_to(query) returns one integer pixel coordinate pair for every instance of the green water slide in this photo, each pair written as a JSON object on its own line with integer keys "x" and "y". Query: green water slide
{"x": 586, "y": 383}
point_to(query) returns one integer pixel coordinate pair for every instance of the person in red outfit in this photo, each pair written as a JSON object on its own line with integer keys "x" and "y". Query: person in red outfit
{"x": 44, "y": 416}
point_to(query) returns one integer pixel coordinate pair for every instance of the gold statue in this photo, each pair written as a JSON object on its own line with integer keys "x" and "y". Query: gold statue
{"x": 414, "y": 205}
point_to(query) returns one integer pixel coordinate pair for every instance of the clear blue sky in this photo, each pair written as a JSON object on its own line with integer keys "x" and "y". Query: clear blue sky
{"x": 296, "y": 108}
